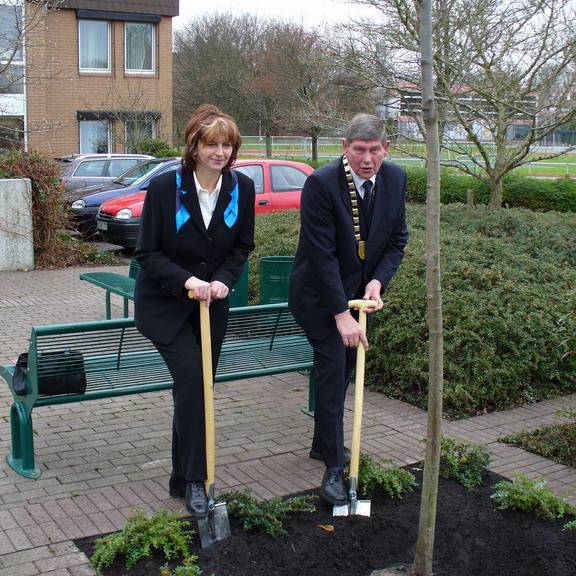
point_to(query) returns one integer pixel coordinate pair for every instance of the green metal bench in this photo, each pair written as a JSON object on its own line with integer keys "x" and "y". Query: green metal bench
{"x": 114, "y": 283}
{"x": 118, "y": 360}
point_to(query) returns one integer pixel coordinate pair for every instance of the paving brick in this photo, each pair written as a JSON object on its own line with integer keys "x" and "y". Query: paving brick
{"x": 18, "y": 538}
{"x": 6, "y": 545}
{"x": 27, "y": 569}
{"x": 61, "y": 562}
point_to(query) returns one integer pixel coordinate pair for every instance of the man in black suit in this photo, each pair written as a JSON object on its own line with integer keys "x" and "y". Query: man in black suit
{"x": 352, "y": 238}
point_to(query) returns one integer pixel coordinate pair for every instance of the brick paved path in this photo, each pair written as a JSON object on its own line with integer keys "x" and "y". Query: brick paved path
{"x": 104, "y": 459}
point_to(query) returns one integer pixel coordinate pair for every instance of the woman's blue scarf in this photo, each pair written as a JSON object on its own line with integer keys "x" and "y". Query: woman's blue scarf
{"x": 182, "y": 214}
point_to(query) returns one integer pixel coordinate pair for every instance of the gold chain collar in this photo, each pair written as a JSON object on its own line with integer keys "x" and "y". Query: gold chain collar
{"x": 360, "y": 244}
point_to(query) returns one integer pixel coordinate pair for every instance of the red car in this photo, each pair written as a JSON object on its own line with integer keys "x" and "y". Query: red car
{"x": 278, "y": 185}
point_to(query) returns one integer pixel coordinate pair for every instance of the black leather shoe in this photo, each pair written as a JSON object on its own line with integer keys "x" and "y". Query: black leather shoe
{"x": 316, "y": 454}
{"x": 333, "y": 489}
{"x": 196, "y": 501}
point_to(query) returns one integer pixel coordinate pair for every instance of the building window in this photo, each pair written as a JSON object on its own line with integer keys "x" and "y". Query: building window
{"x": 138, "y": 130}
{"x": 94, "y": 136}
{"x": 139, "y": 51}
{"x": 94, "y": 43}
{"x": 11, "y": 59}
{"x": 11, "y": 133}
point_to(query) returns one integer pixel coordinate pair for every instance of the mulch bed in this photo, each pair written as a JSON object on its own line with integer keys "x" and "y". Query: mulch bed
{"x": 473, "y": 538}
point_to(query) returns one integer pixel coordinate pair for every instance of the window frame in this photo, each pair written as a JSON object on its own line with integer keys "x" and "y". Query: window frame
{"x": 109, "y": 46}
{"x": 136, "y": 71}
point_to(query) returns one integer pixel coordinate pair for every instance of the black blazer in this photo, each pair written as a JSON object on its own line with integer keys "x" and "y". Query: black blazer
{"x": 327, "y": 271}
{"x": 168, "y": 259}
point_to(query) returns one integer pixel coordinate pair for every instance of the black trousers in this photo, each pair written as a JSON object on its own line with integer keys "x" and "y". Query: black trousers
{"x": 333, "y": 364}
{"x": 184, "y": 361}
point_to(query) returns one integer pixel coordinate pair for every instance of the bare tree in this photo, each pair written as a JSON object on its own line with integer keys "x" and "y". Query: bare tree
{"x": 425, "y": 543}
{"x": 320, "y": 94}
{"x": 212, "y": 63}
{"x": 505, "y": 77}
{"x": 271, "y": 75}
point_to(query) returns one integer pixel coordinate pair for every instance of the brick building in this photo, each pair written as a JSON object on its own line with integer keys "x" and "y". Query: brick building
{"x": 87, "y": 75}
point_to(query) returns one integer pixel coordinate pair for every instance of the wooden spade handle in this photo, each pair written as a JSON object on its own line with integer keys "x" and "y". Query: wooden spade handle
{"x": 207, "y": 377}
{"x": 359, "y": 387}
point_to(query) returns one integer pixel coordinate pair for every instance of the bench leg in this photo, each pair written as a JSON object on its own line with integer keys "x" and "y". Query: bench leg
{"x": 108, "y": 316}
{"x": 21, "y": 459}
{"x": 311, "y": 394}
{"x": 125, "y": 307}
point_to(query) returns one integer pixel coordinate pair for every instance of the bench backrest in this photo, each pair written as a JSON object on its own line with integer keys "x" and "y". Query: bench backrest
{"x": 260, "y": 340}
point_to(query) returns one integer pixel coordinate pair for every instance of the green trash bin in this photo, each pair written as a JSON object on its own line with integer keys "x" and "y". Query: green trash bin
{"x": 274, "y": 276}
{"x": 238, "y": 296}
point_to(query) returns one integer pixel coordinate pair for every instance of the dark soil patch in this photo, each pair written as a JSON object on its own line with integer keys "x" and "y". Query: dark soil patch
{"x": 473, "y": 538}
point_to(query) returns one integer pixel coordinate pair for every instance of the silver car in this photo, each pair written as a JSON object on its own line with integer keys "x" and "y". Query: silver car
{"x": 80, "y": 170}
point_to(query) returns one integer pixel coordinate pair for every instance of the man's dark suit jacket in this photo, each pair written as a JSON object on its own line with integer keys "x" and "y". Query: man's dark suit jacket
{"x": 327, "y": 271}
{"x": 168, "y": 259}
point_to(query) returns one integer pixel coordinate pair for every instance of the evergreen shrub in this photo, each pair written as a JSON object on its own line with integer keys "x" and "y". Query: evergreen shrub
{"x": 509, "y": 294}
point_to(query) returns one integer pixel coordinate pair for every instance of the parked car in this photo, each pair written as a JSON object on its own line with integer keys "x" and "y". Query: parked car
{"x": 278, "y": 185}
{"x": 84, "y": 209}
{"x": 80, "y": 170}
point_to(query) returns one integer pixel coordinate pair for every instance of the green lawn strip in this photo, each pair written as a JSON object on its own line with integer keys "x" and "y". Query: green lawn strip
{"x": 556, "y": 442}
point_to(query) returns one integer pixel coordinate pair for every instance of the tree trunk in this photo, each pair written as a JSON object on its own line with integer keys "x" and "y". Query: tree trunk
{"x": 268, "y": 144}
{"x": 496, "y": 193}
{"x": 314, "y": 146}
{"x": 425, "y": 544}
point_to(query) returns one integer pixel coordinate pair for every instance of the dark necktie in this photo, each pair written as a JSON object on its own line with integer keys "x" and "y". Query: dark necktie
{"x": 367, "y": 186}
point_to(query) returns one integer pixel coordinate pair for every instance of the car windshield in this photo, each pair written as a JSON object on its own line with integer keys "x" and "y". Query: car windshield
{"x": 159, "y": 168}
{"x": 137, "y": 172}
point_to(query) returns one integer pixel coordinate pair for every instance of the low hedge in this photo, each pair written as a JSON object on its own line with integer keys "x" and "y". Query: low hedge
{"x": 509, "y": 295}
{"x": 537, "y": 194}
{"x": 518, "y": 191}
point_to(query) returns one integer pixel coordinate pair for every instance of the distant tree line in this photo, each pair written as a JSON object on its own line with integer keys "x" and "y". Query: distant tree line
{"x": 274, "y": 77}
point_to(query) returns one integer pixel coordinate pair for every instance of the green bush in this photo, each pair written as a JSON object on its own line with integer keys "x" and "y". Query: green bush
{"x": 265, "y": 516}
{"x": 509, "y": 279}
{"x": 557, "y": 443}
{"x": 508, "y": 283}
{"x": 187, "y": 568}
{"x": 53, "y": 246}
{"x": 157, "y": 148}
{"x": 390, "y": 480}
{"x": 143, "y": 536}
{"x": 463, "y": 461}
{"x": 531, "y": 496}
{"x": 518, "y": 191}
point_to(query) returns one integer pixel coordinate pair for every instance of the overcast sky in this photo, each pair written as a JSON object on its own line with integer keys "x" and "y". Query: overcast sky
{"x": 307, "y": 12}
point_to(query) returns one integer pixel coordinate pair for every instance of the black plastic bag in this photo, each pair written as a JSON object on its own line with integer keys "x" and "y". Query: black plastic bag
{"x": 60, "y": 372}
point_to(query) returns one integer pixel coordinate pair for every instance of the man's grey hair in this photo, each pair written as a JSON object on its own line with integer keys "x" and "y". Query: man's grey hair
{"x": 365, "y": 127}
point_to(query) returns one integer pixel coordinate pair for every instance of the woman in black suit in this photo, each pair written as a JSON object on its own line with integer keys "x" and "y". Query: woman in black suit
{"x": 196, "y": 233}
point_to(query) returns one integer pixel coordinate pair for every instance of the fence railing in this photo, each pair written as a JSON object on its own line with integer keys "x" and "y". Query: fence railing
{"x": 301, "y": 147}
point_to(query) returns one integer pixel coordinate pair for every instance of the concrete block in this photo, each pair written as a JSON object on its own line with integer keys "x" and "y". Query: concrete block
{"x": 16, "y": 227}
